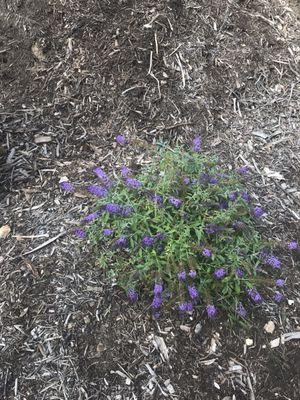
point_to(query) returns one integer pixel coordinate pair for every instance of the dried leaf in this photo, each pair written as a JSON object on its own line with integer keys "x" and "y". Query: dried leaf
{"x": 4, "y": 231}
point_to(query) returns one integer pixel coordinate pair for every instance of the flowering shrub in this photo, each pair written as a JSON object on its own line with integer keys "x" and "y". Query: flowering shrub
{"x": 183, "y": 231}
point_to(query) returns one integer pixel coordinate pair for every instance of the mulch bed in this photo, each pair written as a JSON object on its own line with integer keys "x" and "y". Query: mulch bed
{"x": 73, "y": 75}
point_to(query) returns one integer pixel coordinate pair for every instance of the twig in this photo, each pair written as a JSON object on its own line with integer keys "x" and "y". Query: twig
{"x": 44, "y": 244}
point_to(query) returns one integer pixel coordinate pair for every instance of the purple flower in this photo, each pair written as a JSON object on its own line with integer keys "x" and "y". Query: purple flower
{"x": 292, "y": 245}
{"x": 67, "y": 186}
{"x": 132, "y": 295}
{"x": 192, "y": 274}
{"x": 257, "y": 212}
{"x": 121, "y": 139}
{"x": 133, "y": 183}
{"x": 223, "y": 205}
{"x": 156, "y": 314}
{"x": 213, "y": 181}
{"x": 125, "y": 211}
{"x": 125, "y": 172}
{"x": 211, "y": 310}
{"x": 207, "y": 253}
{"x": 239, "y": 272}
{"x": 148, "y": 241}
{"x": 254, "y": 295}
{"x": 233, "y": 196}
{"x": 121, "y": 242}
{"x": 181, "y": 275}
{"x": 239, "y": 225}
{"x": 278, "y": 297}
{"x": 107, "y": 232}
{"x": 175, "y": 202}
{"x": 243, "y": 170}
{"x": 219, "y": 273}
{"x": 186, "y": 306}
{"x": 91, "y": 217}
{"x": 97, "y": 190}
{"x": 273, "y": 261}
{"x": 112, "y": 208}
{"x": 280, "y": 282}
{"x": 158, "y": 289}
{"x": 196, "y": 144}
{"x": 156, "y": 302}
{"x": 212, "y": 228}
{"x": 159, "y": 236}
{"x": 102, "y": 176}
{"x": 241, "y": 311}
{"x": 186, "y": 181}
{"x": 193, "y": 292}
{"x": 80, "y": 233}
{"x": 245, "y": 196}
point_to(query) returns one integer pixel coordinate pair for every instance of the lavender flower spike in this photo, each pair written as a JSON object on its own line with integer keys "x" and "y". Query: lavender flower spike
{"x": 278, "y": 297}
{"x": 112, "y": 208}
{"x": 257, "y": 212}
{"x": 80, "y": 233}
{"x": 175, "y": 202}
{"x": 102, "y": 176}
{"x": 125, "y": 172}
{"x": 219, "y": 273}
{"x": 274, "y": 262}
{"x": 121, "y": 242}
{"x": 192, "y": 274}
{"x": 107, "y": 232}
{"x": 280, "y": 282}
{"x": 158, "y": 289}
{"x": 91, "y": 217}
{"x": 211, "y": 310}
{"x": 293, "y": 245}
{"x": 196, "y": 144}
{"x": 132, "y": 295}
{"x": 193, "y": 292}
{"x": 181, "y": 276}
{"x": 121, "y": 139}
{"x": 97, "y": 190}
{"x": 156, "y": 302}
{"x": 207, "y": 253}
{"x": 241, "y": 311}
{"x": 133, "y": 183}
{"x": 148, "y": 241}
{"x": 243, "y": 170}
{"x": 254, "y": 295}
{"x": 67, "y": 186}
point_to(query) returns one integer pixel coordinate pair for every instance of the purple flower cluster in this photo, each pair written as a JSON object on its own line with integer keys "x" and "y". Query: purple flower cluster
{"x": 210, "y": 229}
{"x": 97, "y": 190}
{"x": 148, "y": 241}
{"x": 239, "y": 272}
{"x": 186, "y": 181}
{"x": 192, "y": 274}
{"x": 193, "y": 292}
{"x": 278, "y": 297}
{"x": 219, "y": 273}
{"x": 103, "y": 177}
{"x": 92, "y": 216}
{"x": 213, "y": 181}
{"x": 107, "y": 232}
{"x": 80, "y": 233}
{"x": 133, "y": 183}
{"x": 293, "y": 245}
{"x": 273, "y": 262}
{"x": 158, "y": 289}
{"x": 241, "y": 311}
{"x": 254, "y": 295}
{"x": 67, "y": 186}
{"x": 175, "y": 202}
{"x": 279, "y": 282}
{"x": 211, "y": 310}
{"x": 125, "y": 172}
{"x": 245, "y": 196}
{"x": 181, "y": 276}
{"x": 196, "y": 144}
{"x": 257, "y": 212}
{"x": 121, "y": 242}
{"x": 116, "y": 209}
{"x": 233, "y": 196}
{"x": 156, "y": 302}
{"x": 243, "y": 170}
{"x": 132, "y": 295}
{"x": 121, "y": 139}
{"x": 239, "y": 225}
{"x": 186, "y": 306}
{"x": 207, "y": 253}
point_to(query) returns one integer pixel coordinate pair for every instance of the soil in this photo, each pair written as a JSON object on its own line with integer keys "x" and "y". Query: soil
{"x": 73, "y": 75}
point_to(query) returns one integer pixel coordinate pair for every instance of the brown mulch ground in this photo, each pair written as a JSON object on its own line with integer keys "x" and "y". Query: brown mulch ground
{"x": 73, "y": 75}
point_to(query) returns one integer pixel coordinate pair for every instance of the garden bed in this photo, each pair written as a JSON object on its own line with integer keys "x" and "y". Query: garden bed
{"x": 75, "y": 75}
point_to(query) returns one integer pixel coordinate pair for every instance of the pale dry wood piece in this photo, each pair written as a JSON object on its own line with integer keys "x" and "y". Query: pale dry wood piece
{"x": 4, "y": 231}
{"x": 160, "y": 344}
{"x": 45, "y": 244}
{"x": 291, "y": 336}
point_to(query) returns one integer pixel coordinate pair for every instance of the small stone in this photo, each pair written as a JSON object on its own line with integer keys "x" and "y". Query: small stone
{"x": 275, "y": 343}
{"x": 291, "y": 302}
{"x": 185, "y": 328}
{"x": 249, "y": 342}
{"x": 4, "y": 231}
{"x": 269, "y": 327}
{"x": 198, "y": 328}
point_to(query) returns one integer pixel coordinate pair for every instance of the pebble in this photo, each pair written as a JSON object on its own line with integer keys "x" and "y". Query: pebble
{"x": 269, "y": 327}
{"x": 249, "y": 342}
